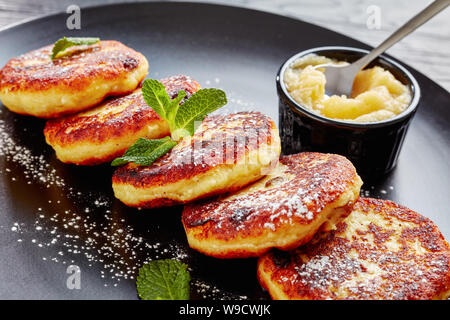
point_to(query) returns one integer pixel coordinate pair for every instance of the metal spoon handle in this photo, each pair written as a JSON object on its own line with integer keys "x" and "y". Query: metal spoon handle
{"x": 422, "y": 17}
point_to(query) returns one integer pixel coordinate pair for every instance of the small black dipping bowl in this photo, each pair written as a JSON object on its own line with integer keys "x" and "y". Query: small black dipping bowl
{"x": 372, "y": 147}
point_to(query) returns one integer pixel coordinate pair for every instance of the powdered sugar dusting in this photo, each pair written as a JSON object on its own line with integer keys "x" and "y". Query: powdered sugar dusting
{"x": 74, "y": 226}
{"x": 296, "y": 192}
{"x": 380, "y": 251}
{"x": 35, "y": 168}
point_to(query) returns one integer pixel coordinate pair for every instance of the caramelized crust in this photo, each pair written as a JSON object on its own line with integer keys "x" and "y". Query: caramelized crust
{"x": 70, "y": 83}
{"x": 115, "y": 120}
{"x": 204, "y": 164}
{"x": 305, "y": 192}
{"x": 380, "y": 251}
{"x": 36, "y": 71}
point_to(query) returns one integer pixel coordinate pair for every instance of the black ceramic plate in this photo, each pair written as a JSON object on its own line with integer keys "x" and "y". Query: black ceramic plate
{"x": 54, "y": 215}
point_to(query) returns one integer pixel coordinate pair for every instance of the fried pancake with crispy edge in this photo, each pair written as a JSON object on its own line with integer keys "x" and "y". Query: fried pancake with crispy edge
{"x": 306, "y": 191}
{"x": 380, "y": 251}
{"x": 101, "y": 134}
{"x": 226, "y": 153}
{"x": 33, "y": 84}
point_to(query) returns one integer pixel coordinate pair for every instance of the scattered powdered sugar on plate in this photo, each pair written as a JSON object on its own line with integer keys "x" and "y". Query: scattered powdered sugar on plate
{"x": 211, "y": 292}
{"x": 81, "y": 227}
{"x": 236, "y": 102}
{"x": 111, "y": 243}
{"x": 372, "y": 191}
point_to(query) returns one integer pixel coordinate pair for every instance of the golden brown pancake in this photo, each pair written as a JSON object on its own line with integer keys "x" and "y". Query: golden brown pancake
{"x": 33, "y": 84}
{"x": 380, "y": 251}
{"x": 305, "y": 192}
{"x": 226, "y": 153}
{"x": 105, "y": 132}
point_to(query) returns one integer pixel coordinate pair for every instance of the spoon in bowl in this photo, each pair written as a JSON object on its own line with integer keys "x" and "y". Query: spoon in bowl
{"x": 340, "y": 78}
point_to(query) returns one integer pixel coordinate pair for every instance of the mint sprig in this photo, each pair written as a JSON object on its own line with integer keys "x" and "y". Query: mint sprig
{"x": 163, "y": 280}
{"x": 66, "y": 42}
{"x": 155, "y": 96}
{"x": 195, "y": 109}
{"x": 145, "y": 151}
{"x": 180, "y": 117}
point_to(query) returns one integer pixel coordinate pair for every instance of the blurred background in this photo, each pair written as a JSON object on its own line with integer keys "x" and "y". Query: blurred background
{"x": 370, "y": 21}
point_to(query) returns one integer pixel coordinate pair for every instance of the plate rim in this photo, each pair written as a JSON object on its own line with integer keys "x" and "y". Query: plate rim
{"x": 26, "y": 21}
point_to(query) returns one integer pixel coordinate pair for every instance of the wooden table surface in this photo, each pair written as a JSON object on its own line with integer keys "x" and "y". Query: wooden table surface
{"x": 427, "y": 49}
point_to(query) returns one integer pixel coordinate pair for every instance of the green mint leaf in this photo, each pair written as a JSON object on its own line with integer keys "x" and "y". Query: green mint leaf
{"x": 175, "y": 104}
{"x": 145, "y": 151}
{"x": 196, "y": 108}
{"x": 163, "y": 280}
{"x": 64, "y": 43}
{"x": 181, "y": 119}
{"x": 156, "y": 97}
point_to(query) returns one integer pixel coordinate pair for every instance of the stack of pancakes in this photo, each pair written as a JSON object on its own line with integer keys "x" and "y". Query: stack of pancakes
{"x": 300, "y": 214}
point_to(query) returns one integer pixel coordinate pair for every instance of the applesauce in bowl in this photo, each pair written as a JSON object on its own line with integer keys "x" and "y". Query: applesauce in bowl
{"x": 376, "y": 94}
{"x": 368, "y": 127}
